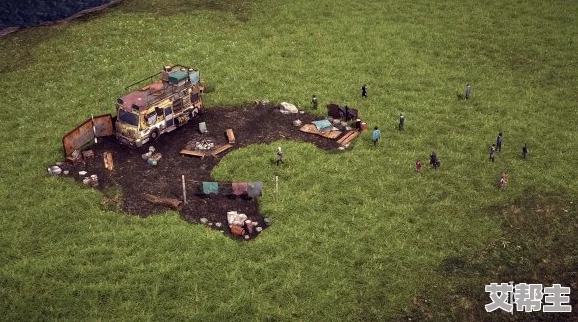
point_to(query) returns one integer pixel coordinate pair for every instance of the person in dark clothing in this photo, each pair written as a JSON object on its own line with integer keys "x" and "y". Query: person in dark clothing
{"x": 492, "y": 152}
{"x": 347, "y": 113}
{"x": 468, "y": 90}
{"x": 401, "y": 121}
{"x": 358, "y": 124}
{"x": 499, "y": 142}
{"x": 525, "y": 151}
{"x": 434, "y": 160}
{"x": 314, "y": 102}
{"x": 363, "y": 91}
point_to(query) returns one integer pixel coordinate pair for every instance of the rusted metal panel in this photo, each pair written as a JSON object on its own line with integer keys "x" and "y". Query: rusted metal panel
{"x": 84, "y": 133}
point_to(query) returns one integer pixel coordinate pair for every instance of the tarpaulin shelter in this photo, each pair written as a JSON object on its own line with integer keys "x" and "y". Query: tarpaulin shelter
{"x": 254, "y": 189}
{"x": 239, "y": 188}
{"x": 210, "y": 187}
{"x": 323, "y": 125}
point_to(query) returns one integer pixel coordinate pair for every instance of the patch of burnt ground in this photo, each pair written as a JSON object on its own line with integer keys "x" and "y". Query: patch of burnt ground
{"x": 132, "y": 178}
{"x": 538, "y": 245}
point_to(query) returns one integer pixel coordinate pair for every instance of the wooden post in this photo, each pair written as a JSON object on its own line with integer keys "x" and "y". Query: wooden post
{"x": 93, "y": 128}
{"x": 184, "y": 189}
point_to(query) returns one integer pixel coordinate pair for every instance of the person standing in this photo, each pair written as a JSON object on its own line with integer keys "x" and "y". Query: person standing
{"x": 401, "y": 121}
{"x": 314, "y": 102}
{"x": 364, "y": 91}
{"x": 525, "y": 151}
{"x": 468, "y": 90}
{"x": 279, "y": 156}
{"x": 499, "y": 142}
{"x": 376, "y": 136}
{"x": 418, "y": 165}
{"x": 492, "y": 152}
{"x": 433, "y": 160}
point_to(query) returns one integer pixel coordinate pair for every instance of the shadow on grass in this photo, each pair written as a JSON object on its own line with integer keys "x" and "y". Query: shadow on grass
{"x": 538, "y": 246}
{"x": 171, "y": 7}
{"x": 17, "y": 48}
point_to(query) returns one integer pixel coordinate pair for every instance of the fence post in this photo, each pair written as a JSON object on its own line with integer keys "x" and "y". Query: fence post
{"x": 184, "y": 189}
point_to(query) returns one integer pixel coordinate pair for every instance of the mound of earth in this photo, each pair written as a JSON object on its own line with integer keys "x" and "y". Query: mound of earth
{"x": 251, "y": 124}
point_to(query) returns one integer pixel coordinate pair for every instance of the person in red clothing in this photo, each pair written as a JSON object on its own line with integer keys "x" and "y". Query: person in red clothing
{"x": 418, "y": 165}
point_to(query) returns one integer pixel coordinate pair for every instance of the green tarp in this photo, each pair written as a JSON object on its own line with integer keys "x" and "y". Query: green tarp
{"x": 210, "y": 187}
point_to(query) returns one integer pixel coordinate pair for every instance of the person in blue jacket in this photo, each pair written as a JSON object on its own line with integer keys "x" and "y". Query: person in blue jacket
{"x": 376, "y": 136}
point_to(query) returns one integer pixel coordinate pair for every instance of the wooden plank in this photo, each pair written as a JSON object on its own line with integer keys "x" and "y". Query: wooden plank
{"x": 350, "y": 138}
{"x": 345, "y": 137}
{"x": 221, "y": 149}
{"x": 230, "y": 136}
{"x": 311, "y": 128}
{"x": 193, "y": 153}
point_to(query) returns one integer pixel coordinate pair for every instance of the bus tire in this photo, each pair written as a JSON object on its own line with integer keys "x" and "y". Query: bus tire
{"x": 154, "y": 135}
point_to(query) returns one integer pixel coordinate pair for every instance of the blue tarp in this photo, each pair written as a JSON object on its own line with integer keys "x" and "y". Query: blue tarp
{"x": 210, "y": 187}
{"x": 323, "y": 124}
{"x": 194, "y": 77}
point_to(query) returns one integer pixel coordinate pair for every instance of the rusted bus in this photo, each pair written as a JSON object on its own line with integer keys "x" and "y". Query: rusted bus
{"x": 85, "y": 133}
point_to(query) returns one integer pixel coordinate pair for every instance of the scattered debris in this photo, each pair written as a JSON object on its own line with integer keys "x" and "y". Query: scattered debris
{"x": 88, "y": 154}
{"x": 203, "y": 128}
{"x": 86, "y": 180}
{"x": 218, "y": 225}
{"x": 221, "y": 149}
{"x": 108, "y": 164}
{"x": 234, "y": 218}
{"x": 93, "y": 180}
{"x": 289, "y": 108}
{"x": 249, "y": 226}
{"x": 247, "y": 237}
{"x": 82, "y": 173}
{"x": 348, "y": 137}
{"x": 54, "y": 170}
{"x": 204, "y": 221}
{"x": 65, "y": 172}
{"x": 230, "y": 136}
{"x": 259, "y": 229}
{"x": 237, "y": 230}
{"x": 193, "y": 153}
{"x": 267, "y": 221}
{"x": 311, "y": 128}
{"x": 75, "y": 157}
{"x": 297, "y": 122}
{"x": 169, "y": 202}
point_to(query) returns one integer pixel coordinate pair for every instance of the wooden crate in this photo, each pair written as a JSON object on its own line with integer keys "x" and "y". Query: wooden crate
{"x": 350, "y": 138}
{"x": 343, "y": 138}
{"x": 108, "y": 164}
{"x": 230, "y": 136}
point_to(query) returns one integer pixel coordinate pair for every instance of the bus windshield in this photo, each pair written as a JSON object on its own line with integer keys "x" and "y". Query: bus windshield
{"x": 128, "y": 117}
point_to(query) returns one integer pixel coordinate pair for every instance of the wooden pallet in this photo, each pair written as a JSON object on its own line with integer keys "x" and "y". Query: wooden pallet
{"x": 311, "y": 128}
{"x": 221, "y": 149}
{"x": 230, "y": 136}
{"x": 193, "y": 153}
{"x": 348, "y": 137}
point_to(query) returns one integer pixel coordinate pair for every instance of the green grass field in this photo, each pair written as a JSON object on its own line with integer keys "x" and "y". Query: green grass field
{"x": 356, "y": 236}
